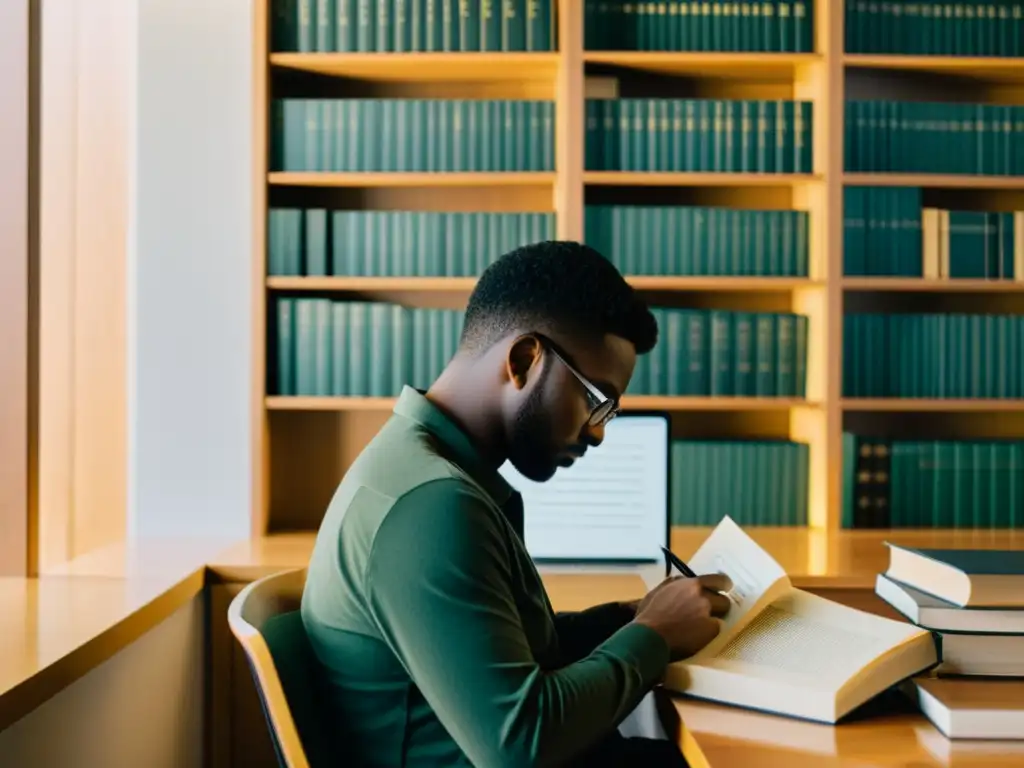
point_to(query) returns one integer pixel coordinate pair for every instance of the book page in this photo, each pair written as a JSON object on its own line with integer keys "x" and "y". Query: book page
{"x": 801, "y": 636}
{"x": 756, "y": 577}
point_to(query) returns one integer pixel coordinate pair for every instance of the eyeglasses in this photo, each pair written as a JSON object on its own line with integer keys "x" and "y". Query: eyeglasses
{"x": 602, "y": 408}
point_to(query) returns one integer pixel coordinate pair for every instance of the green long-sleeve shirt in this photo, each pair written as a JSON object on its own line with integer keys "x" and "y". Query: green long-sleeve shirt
{"x": 438, "y": 641}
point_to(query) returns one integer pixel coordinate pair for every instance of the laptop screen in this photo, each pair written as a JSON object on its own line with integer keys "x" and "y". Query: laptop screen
{"x": 611, "y": 505}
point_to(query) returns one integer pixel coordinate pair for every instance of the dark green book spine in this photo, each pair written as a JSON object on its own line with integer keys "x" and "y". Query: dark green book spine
{"x": 513, "y": 25}
{"x": 470, "y": 26}
{"x": 402, "y": 25}
{"x": 366, "y": 26}
{"x": 324, "y": 31}
{"x": 539, "y": 25}
{"x": 285, "y": 352}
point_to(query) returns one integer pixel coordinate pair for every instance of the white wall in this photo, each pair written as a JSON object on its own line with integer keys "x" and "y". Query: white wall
{"x": 142, "y": 707}
{"x": 190, "y": 311}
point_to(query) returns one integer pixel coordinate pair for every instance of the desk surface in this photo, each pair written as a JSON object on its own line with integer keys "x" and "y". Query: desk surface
{"x": 54, "y": 630}
{"x": 715, "y": 736}
{"x": 59, "y": 626}
{"x": 810, "y": 557}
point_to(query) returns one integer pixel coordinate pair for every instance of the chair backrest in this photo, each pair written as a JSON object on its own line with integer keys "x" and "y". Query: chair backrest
{"x": 265, "y": 619}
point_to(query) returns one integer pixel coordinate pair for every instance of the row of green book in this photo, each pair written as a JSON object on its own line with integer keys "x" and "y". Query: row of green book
{"x": 886, "y": 232}
{"x": 719, "y": 353}
{"x": 397, "y": 26}
{"x": 882, "y": 231}
{"x": 935, "y": 27}
{"x": 679, "y": 240}
{"x": 773, "y": 26}
{"x": 929, "y": 137}
{"x": 321, "y": 347}
{"x": 932, "y": 483}
{"x": 976, "y": 245}
{"x": 755, "y": 482}
{"x": 754, "y": 136}
{"x": 357, "y": 349}
{"x": 412, "y": 135}
{"x": 933, "y": 356}
{"x": 320, "y": 242}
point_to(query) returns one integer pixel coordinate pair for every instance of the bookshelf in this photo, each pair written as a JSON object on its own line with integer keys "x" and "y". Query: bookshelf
{"x": 305, "y": 441}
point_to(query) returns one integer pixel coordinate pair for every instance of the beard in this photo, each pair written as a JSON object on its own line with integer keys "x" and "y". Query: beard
{"x": 530, "y": 444}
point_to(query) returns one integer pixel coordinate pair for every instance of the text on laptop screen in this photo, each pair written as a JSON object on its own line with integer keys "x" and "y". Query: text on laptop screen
{"x": 610, "y": 505}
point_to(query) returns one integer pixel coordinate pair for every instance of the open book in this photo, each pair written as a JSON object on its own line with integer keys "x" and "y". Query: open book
{"x": 788, "y": 651}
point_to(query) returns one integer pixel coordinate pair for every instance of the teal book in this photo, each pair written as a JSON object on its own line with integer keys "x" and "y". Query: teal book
{"x": 490, "y": 25}
{"x": 450, "y": 26}
{"x": 325, "y": 31}
{"x": 432, "y": 29}
{"x": 539, "y": 25}
{"x": 323, "y": 344}
{"x": 306, "y": 27}
{"x": 345, "y": 28}
{"x": 401, "y": 26}
{"x": 422, "y": 369}
{"x": 697, "y": 378}
{"x": 284, "y": 241}
{"x": 285, "y": 352}
{"x": 401, "y": 348}
{"x": 969, "y": 578}
{"x": 469, "y": 25}
{"x": 317, "y": 242}
{"x": 785, "y": 355}
{"x": 513, "y": 25}
{"x": 801, "y": 328}
{"x": 305, "y": 346}
{"x": 744, "y": 376}
{"x": 339, "y": 348}
{"x": 284, "y": 26}
{"x": 722, "y": 364}
{"x": 366, "y": 26}
{"x": 358, "y": 375}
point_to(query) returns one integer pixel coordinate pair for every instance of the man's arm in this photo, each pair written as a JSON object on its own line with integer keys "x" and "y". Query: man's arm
{"x": 439, "y": 587}
{"x": 580, "y": 632}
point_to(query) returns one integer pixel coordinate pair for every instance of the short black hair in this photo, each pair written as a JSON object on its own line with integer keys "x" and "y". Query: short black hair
{"x": 556, "y": 284}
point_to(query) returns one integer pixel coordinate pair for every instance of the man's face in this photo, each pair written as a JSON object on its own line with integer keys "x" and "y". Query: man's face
{"x": 550, "y": 421}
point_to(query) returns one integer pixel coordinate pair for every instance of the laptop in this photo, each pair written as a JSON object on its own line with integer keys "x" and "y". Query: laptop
{"x": 612, "y": 506}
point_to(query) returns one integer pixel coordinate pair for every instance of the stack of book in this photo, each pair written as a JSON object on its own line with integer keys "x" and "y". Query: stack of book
{"x": 973, "y": 603}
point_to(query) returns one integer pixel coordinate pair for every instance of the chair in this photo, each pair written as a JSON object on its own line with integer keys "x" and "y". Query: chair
{"x": 265, "y": 619}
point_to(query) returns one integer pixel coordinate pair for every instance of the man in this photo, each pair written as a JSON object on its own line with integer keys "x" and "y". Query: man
{"x": 438, "y": 641}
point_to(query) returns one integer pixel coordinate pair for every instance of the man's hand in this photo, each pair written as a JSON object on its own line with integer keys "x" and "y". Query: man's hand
{"x": 681, "y": 610}
{"x": 636, "y": 605}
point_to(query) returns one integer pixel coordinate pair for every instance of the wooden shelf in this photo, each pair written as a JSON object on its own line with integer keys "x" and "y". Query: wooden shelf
{"x": 424, "y": 66}
{"x": 989, "y": 68}
{"x": 771, "y": 67}
{"x": 725, "y": 404}
{"x": 411, "y": 179}
{"x": 916, "y": 405}
{"x": 916, "y": 284}
{"x": 635, "y": 402}
{"x": 567, "y": 78}
{"x": 671, "y": 179}
{"x": 932, "y": 180}
{"x": 465, "y": 284}
{"x": 355, "y": 284}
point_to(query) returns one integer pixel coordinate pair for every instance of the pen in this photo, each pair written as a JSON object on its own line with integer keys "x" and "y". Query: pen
{"x": 678, "y": 563}
{"x": 688, "y": 572}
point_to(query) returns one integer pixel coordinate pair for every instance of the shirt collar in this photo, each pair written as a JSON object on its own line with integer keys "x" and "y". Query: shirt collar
{"x": 413, "y": 405}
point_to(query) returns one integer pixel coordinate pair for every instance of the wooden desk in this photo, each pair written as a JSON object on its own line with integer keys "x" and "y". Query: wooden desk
{"x": 713, "y": 736}
{"x": 58, "y": 627}
{"x": 888, "y": 732}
